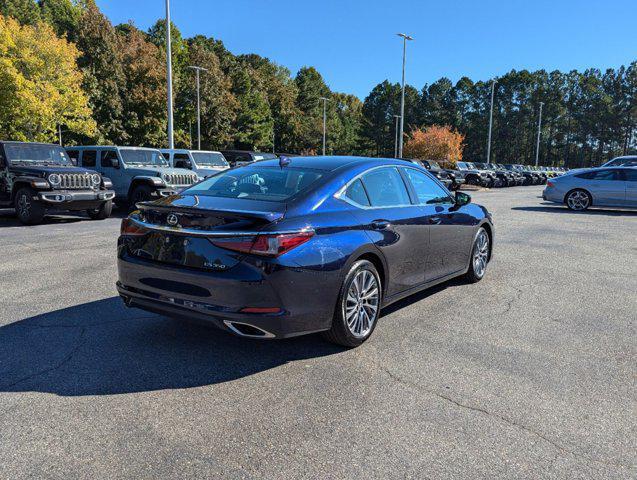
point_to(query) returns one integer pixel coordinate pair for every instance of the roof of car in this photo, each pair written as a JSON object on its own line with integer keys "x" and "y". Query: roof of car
{"x": 330, "y": 162}
{"x": 83, "y": 147}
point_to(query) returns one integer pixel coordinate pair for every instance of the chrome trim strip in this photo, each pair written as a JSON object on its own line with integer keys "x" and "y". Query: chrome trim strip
{"x": 229, "y": 324}
{"x": 207, "y": 233}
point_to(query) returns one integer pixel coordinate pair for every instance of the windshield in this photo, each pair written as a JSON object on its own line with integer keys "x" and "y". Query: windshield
{"x": 209, "y": 159}
{"x": 433, "y": 164}
{"x": 143, "y": 157}
{"x": 462, "y": 166}
{"x": 33, "y": 154}
{"x": 272, "y": 184}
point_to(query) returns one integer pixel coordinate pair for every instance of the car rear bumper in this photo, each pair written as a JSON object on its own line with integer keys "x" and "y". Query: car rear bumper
{"x": 219, "y": 298}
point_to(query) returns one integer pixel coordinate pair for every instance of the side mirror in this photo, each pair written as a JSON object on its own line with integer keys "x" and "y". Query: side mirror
{"x": 462, "y": 199}
{"x": 114, "y": 163}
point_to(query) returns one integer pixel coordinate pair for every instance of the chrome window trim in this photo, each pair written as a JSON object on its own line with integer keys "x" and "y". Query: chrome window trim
{"x": 340, "y": 194}
{"x": 218, "y": 234}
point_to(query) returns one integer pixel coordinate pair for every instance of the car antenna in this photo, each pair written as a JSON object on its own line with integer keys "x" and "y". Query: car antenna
{"x": 284, "y": 161}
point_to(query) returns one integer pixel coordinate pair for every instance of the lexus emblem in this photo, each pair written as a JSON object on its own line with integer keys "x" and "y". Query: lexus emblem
{"x": 172, "y": 220}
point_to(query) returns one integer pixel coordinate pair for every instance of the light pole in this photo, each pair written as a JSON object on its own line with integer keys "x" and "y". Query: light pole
{"x": 493, "y": 82}
{"x": 539, "y": 128}
{"x": 197, "y": 70}
{"x": 402, "y": 96}
{"x": 60, "y": 133}
{"x": 324, "y": 100}
{"x": 396, "y": 137}
{"x": 169, "y": 79}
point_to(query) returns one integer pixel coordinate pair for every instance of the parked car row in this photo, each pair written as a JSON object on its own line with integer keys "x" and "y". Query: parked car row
{"x": 40, "y": 178}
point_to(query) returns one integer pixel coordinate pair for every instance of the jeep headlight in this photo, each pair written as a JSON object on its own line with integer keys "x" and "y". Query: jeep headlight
{"x": 95, "y": 178}
{"x": 55, "y": 180}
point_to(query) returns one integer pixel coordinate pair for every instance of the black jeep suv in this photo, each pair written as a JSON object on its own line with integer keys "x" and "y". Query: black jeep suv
{"x": 38, "y": 177}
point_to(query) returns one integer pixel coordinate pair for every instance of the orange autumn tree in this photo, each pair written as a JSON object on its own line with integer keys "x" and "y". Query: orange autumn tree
{"x": 441, "y": 143}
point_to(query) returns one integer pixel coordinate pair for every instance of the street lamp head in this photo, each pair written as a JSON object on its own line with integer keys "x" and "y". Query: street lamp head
{"x": 194, "y": 67}
{"x": 405, "y": 36}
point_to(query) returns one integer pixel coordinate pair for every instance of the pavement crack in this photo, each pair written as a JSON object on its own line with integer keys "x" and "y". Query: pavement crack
{"x": 513, "y": 423}
{"x": 518, "y": 293}
{"x": 60, "y": 364}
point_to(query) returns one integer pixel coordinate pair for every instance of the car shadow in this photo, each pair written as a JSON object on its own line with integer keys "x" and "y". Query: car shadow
{"x": 562, "y": 209}
{"x": 8, "y": 218}
{"x": 104, "y": 348}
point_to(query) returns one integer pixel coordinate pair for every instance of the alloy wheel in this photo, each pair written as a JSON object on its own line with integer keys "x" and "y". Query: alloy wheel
{"x": 481, "y": 254}
{"x": 361, "y": 304}
{"x": 24, "y": 206}
{"x": 578, "y": 200}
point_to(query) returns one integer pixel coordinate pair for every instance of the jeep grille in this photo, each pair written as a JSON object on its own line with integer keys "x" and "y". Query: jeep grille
{"x": 179, "y": 179}
{"x": 76, "y": 181}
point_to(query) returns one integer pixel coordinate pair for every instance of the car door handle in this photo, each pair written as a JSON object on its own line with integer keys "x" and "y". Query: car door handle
{"x": 435, "y": 220}
{"x": 380, "y": 224}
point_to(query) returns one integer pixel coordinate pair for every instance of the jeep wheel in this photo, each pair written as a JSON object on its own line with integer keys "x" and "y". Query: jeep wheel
{"x": 140, "y": 193}
{"x": 102, "y": 212}
{"x": 28, "y": 210}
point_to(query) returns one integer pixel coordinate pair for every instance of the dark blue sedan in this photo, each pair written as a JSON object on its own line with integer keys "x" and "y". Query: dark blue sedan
{"x": 287, "y": 247}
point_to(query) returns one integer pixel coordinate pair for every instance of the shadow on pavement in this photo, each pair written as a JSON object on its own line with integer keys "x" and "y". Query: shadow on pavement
{"x": 562, "y": 209}
{"x": 104, "y": 348}
{"x": 8, "y": 218}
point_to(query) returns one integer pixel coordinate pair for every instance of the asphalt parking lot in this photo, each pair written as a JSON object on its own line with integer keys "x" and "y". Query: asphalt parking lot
{"x": 527, "y": 374}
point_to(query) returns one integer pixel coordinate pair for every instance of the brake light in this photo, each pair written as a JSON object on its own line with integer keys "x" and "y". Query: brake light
{"x": 550, "y": 184}
{"x": 266, "y": 245}
{"x": 132, "y": 229}
{"x": 260, "y": 310}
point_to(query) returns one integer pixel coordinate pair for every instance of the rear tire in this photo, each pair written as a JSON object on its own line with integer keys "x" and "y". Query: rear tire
{"x": 358, "y": 306}
{"x": 102, "y": 212}
{"x": 28, "y": 210}
{"x": 578, "y": 200}
{"x": 480, "y": 254}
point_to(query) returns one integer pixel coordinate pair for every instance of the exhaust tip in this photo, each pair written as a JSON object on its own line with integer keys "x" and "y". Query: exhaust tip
{"x": 247, "y": 330}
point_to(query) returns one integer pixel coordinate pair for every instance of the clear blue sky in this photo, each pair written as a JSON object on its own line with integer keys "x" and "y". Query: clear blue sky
{"x": 353, "y": 43}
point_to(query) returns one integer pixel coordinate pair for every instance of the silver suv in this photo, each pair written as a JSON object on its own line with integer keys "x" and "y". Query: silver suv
{"x": 138, "y": 174}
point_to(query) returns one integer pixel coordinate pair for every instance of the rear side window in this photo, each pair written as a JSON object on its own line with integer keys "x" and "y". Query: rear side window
{"x": 88, "y": 158}
{"x": 271, "y": 184}
{"x": 107, "y": 156}
{"x": 385, "y": 188}
{"x": 631, "y": 175}
{"x": 356, "y": 193}
{"x": 600, "y": 175}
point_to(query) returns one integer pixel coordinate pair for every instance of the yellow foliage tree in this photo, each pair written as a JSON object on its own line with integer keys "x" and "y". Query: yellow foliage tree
{"x": 440, "y": 143}
{"x": 40, "y": 84}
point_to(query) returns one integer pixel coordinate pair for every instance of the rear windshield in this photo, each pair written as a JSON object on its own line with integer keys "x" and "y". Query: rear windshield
{"x": 272, "y": 184}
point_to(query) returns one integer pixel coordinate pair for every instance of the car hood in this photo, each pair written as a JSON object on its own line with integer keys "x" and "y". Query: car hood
{"x": 157, "y": 171}
{"x": 42, "y": 171}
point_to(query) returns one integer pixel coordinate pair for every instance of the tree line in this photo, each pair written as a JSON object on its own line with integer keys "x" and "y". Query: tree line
{"x": 113, "y": 91}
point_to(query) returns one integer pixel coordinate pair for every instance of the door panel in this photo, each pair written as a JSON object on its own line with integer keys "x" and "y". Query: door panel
{"x": 450, "y": 230}
{"x": 396, "y": 226}
{"x": 607, "y": 188}
{"x": 631, "y": 187}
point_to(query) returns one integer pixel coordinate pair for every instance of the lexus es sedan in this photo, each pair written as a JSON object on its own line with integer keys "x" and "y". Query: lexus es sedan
{"x": 287, "y": 247}
{"x": 595, "y": 187}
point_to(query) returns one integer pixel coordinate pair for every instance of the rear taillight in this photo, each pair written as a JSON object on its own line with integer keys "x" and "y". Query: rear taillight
{"x": 132, "y": 229}
{"x": 550, "y": 184}
{"x": 266, "y": 245}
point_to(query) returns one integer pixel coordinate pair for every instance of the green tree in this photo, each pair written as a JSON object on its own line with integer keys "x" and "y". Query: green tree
{"x": 104, "y": 79}
{"x": 24, "y": 11}
{"x": 38, "y": 84}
